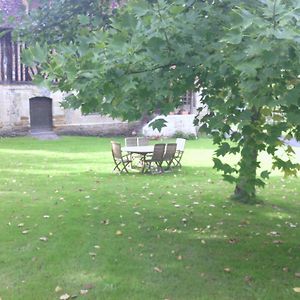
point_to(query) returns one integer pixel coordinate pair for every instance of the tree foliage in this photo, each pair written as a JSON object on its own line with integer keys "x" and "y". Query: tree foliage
{"x": 242, "y": 55}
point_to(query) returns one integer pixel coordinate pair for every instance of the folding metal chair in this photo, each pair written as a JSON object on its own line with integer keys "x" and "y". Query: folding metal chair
{"x": 121, "y": 161}
{"x": 157, "y": 158}
{"x": 170, "y": 154}
{"x": 131, "y": 141}
{"x": 143, "y": 141}
{"x": 179, "y": 152}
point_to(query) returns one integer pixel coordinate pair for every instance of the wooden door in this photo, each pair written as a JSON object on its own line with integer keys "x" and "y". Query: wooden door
{"x": 41, "y": 113}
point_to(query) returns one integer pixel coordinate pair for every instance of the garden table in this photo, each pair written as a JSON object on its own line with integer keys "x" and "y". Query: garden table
{"x": 143, "y": 151}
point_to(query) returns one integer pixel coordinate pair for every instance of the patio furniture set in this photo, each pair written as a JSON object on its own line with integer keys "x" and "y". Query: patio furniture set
{"x": 147, "y": 158}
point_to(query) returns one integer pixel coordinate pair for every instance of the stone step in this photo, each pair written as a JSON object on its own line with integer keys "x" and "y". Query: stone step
{"x": 44, "y": 134}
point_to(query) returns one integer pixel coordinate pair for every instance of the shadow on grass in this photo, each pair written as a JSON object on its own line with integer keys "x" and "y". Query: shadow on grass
{"x": 158, "y": 255}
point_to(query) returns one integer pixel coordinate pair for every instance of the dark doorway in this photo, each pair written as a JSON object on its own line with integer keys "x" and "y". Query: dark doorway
{"x": 41, "y": 113}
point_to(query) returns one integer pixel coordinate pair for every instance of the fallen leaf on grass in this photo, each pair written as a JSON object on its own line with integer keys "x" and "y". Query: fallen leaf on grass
{"x": 88, "y": 286}
{"x": 105, "y": 222}
{"x": 83, "y": 292}
{"x": 278, "y": 242}
{"x": 285, "y": 269}
{"x": 64, "y": 297}
{"x": 244, "y": 222}
{"x": 58, "y": 289}
{"x": 248, "y": 279}
{"x": 273, "y": 233}
{"x": 296, "y": 289}
{"x": 233, "y": 241}
{"x": 156, "y": 269}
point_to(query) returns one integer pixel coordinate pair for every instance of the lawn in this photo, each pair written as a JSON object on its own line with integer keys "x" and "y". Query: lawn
{"x": 70, "y": 226}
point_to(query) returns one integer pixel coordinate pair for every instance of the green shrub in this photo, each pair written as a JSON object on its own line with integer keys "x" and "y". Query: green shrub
{"x": 187, "y": 136}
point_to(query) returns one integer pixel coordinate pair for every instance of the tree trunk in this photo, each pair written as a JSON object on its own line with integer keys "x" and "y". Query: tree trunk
{"x": 245, "y": 187}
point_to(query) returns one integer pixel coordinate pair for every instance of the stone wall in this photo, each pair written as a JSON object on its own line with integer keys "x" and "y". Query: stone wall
{"x": 15, "y": 115}
{"x": 14, "y": 108}
{"x": 175, "y": 124}
{"x": 104, "y": 129}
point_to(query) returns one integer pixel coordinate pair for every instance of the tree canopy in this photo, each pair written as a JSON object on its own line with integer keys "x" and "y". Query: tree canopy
{"x": 243, "y": 56}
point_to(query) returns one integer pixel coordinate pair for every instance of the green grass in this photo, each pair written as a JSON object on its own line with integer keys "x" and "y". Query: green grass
{"x": 64, "y": 190}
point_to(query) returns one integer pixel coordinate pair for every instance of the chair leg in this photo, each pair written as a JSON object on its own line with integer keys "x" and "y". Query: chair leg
{"x": 117, "y": 167}
{"x": 125, "y": 167}
{"x": 176, "y": 162}
{"x": 159, "y": 166}
{"x": 169, "y": 164}
{"x": 149, "y": 167}
{"x": 121, "y": 166}
{"x": 146, "y": 166}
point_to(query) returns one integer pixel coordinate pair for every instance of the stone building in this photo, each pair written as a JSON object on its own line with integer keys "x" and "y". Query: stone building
{"x": 26, "y": 108}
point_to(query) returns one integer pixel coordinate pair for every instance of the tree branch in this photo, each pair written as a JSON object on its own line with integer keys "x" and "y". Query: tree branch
{"x": 274, "y": 11}
{"x": 164, "y": 31}
{"x": 154, "y": 68}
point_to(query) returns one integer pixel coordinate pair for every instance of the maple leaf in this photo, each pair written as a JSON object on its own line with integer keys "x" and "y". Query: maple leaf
{"x": 83, "y": 292}
{"x": 64, "y": 297}
{"x": 58, "y": 289}
{"x": 157, "y": 269}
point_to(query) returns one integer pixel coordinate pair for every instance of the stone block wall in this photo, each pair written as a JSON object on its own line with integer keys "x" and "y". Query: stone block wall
{"x": 15, "y": 115}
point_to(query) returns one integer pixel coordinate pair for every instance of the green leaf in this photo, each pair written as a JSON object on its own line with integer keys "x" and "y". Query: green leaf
{"x": 158, "y": 124}
{"x": 223, "y": 149}
{"x": 233, "y": 37}
{"x": 27, "y": 58}
{"x": 84, "y": 20}
{"x": 265, "y": 174}
{"x": 230, "y": 178}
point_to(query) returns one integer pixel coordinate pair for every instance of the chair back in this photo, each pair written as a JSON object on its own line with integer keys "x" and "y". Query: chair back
{"x": 170, "y": 151}
{"x": 180, "y": 144}
{"x": 131, "y": 141}
{"x": 116, "y": 150}
{"x": 158, "y": 152}
{"x": 143, "y": 141}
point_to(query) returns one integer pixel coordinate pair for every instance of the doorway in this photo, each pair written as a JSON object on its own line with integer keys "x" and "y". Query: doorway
{"x": 41, "y": 113}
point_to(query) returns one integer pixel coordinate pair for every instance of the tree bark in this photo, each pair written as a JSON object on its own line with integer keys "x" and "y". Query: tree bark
{"x": 245, "y": 190}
